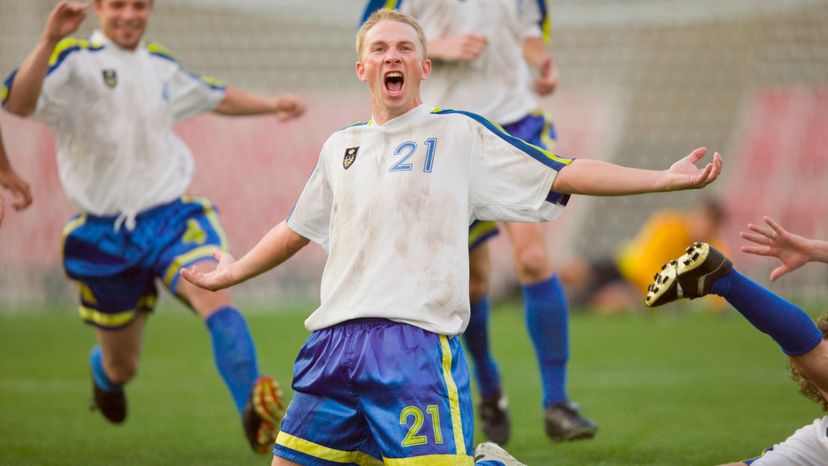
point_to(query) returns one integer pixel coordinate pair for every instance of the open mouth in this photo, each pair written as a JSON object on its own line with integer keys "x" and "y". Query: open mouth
{"x": 394, "y": 81}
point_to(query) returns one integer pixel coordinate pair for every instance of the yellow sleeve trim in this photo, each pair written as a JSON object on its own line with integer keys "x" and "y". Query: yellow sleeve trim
{"x": 159, "y": 49}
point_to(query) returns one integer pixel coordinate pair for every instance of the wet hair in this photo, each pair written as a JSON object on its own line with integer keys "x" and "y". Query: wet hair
{"x": 806, "y": 388}
{"x": 388, "y": 15}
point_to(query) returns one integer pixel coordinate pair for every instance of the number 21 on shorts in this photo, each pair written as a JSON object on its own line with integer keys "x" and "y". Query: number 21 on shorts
{"x": 415, "y": 416}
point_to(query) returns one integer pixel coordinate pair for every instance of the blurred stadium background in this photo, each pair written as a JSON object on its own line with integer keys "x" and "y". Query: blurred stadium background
{"x": 642, "y": 82}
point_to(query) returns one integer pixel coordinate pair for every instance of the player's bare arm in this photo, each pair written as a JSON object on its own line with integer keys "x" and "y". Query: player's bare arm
{"x": 464, "y": 47}
{"x": 774, "y": 241}
{"x": 593, "y": 177}
{"x": 238, "y": 102}
{"x": 64, "y": 19}
{"x": 10, "y": 180}
{"x": 537, "y": 54}
{"x": 277, "y": 246}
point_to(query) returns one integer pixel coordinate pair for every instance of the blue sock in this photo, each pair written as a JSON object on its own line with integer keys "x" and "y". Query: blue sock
{"x": 98, "y": 374}
{"x": 787, "y": 324}
{"x": 476, "y": 337}
{"x": 234, "y": 353}
{"x": 547, "y": 318}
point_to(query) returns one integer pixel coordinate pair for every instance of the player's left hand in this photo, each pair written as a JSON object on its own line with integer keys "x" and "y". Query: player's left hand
{"x": 221, "y": 277}
{"x": 547, "y": 80}
{"x": 684, "y": 174}
{"x": 792, "y": 249}
{"x": 288, "y": 107}
{"x": 10, "y": 180}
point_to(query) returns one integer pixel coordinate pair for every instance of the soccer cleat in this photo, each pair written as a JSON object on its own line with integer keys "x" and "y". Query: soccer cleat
{"x": 263, "y": 415}
{"x": 494, "y": 412}
{"x": 491, "y": 454}
{"x": 111, "y": 404}
{"x": 690, "y": 276}
{"x": 564, "y": 422}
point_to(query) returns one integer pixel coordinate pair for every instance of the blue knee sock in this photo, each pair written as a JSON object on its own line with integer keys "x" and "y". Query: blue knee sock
{"x": 476, "y": 337}
{"x": 98, "y": 374}
{"x": 547, "y": 318}
{"x": 234, "y": 353}
{"x": 787, "y": 324}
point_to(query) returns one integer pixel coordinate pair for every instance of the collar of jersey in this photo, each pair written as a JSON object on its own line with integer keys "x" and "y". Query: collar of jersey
{"x": 98, "y": 37}
{"x": 403, "y": 119}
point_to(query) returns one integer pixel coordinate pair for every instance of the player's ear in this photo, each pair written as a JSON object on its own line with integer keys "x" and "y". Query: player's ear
{"x": 426, "y": 68}
{"x": 360, "y": 71}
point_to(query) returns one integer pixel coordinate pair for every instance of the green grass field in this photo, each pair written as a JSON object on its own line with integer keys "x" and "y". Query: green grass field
{"x": 667, "y": 389}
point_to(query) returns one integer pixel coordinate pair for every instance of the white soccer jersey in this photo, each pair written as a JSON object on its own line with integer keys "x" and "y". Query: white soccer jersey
{"x": 112, "y": 112}
{"x": 807, "y": 446}
{"x": 498, "y": 83}
{"x": 392, "y": 204}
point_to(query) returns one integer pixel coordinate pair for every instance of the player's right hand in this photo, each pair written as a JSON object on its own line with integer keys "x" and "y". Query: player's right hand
{"x": 465, "y": 47}
{"x": 221, "y": 277}
{"x": 64, "y": 19}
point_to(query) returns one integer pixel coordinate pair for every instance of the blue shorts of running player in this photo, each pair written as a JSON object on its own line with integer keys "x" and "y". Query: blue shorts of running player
{"x": 535, "y": 128}
{"x": 116, "y": 268}
{"x": 373, "y": 390}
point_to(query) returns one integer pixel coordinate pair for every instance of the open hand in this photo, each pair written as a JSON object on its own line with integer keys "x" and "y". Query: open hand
{"x": 793, "y": 250}
{"x": 218, "y": 279}
{"x": 684, "y": 174}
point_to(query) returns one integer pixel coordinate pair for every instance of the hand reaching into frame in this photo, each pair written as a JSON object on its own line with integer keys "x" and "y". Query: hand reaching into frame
{"x": 774, "y": 241}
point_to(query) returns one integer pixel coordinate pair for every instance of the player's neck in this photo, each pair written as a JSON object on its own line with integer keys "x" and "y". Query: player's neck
{"x": 382, "y": 113}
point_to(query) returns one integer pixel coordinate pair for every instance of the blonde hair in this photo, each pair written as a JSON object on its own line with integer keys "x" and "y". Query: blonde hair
{"x": 388, "y": 15}
{"x": 806, "y": 388}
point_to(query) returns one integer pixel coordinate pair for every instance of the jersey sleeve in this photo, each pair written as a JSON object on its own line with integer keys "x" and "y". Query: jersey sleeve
{"x": 534, "y": 17}
{"x": 189, "y": 94}
{"x": 511, "y": 180}
{"x": 56, "y": 92}
{"x": 803, "y": 448}
{"x": 374, "y": 5}
{"x": 311, "y": 216}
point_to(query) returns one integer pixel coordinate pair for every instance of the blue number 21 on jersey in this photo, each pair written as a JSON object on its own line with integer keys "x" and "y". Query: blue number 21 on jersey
{"x": 407, "y": 149}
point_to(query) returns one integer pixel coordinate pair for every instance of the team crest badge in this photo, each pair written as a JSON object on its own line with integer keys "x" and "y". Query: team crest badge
{"x": 350, "y": 156}
{"x": 110, "y": 78}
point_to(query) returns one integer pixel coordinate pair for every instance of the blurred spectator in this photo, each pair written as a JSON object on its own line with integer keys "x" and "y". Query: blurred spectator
{"x": 617, "y": 283}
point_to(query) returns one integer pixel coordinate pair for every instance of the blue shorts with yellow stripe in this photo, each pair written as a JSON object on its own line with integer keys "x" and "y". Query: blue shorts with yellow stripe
{"x": 116, "y": 268}
{"x": 373, "y": 390}
{"x": 535, "y": 128}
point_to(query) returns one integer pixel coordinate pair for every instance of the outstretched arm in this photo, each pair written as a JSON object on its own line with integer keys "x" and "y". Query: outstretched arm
{"x": 64, "y": 19}
{"x": 238, "y": 102}
{"x": 593, "y": 177}
{"x": 277, "y": 246}
{"x": 793, "y": 250}
{"x": 10, "y": 180}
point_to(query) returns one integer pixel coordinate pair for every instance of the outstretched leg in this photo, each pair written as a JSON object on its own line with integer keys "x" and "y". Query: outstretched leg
{"x": 703, "y": 270}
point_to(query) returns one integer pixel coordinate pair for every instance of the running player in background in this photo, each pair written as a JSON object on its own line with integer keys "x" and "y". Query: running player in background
{"x": 111, "y": 101}
{"x": 704, "y": 270}
{"x": 383, "y": 375}
{"x": 491, "y": 57}
{"x": 11, "y": 181}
